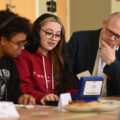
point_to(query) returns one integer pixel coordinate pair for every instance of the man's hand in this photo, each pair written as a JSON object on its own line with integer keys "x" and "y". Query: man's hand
{"x": 107, "y": 53}
{"x": 48, "y": 97}
{"x": 26, "y": 99}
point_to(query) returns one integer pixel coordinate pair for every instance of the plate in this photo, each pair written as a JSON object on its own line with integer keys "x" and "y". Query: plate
{"x": 104, "y": 107}
{"x": 113, "y": 102}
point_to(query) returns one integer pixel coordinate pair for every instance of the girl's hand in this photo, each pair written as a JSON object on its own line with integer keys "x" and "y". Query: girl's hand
{"x": 48, "y": 97}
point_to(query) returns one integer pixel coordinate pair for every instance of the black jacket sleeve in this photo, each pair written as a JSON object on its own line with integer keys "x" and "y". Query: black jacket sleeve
{"x": 113, "y": 72}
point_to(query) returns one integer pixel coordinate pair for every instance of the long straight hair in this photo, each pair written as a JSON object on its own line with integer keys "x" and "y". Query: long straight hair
{"x": 55, "y": 54}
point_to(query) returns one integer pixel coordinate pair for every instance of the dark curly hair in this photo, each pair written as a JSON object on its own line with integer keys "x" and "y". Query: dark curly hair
{"x": 11, "y": 24}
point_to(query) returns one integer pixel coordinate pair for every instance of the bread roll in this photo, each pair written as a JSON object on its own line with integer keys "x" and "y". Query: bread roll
{"x": 83, "y": 103}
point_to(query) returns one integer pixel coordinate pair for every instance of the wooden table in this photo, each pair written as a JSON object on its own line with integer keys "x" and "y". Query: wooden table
{"x": 51, "y": 113}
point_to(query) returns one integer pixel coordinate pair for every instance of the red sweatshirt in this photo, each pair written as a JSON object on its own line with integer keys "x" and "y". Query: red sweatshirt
{"x": 35, "y": 72}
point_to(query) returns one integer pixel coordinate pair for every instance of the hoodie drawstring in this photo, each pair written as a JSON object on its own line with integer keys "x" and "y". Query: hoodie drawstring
{"x": 43, "y": 59}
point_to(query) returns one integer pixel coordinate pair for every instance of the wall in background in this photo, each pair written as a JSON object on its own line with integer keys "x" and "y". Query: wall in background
{"x": 88, "y": 14}
{"x": 115, "y": 6}
{"x": 25, "y": 8}
{"x": 62, "y": 14}
{"x": 75, "y": 14}
{"x": 41, "y": 7}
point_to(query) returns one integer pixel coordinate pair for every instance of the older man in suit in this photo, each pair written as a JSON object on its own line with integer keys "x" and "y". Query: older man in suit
{"x": 98, "y": 51}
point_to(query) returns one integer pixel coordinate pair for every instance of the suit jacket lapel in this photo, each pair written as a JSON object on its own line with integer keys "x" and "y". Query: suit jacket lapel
{"x": 92, "y": 50}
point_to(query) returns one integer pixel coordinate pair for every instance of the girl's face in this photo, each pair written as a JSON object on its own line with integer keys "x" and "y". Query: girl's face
{"x": 14, "y": 46}
{"x": 50, "y": 35}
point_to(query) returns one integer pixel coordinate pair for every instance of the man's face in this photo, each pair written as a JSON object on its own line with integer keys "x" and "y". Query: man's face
{"x": 111, "y": 32}
{"x": 15, "y": 45}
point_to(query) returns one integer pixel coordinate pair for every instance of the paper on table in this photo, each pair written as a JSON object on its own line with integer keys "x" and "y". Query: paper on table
{"x": 23, "y": 106}
{"x": 19, "y": 106}
{"x": 83, "y": 74}
{"x": 64, "y": 99}
{"x": 7, "y": 110}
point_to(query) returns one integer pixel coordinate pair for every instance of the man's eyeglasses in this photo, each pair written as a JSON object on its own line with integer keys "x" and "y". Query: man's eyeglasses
{"x": 111, "y": 33}
{"x": 19, "y": 44}
{"x": 50, "y": 35}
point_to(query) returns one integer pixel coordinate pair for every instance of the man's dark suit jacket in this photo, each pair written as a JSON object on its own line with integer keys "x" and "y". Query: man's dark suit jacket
{"x": 83, "y": 47}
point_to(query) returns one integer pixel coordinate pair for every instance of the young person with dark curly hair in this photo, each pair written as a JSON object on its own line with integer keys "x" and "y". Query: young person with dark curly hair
{"x": 43, "y": 67}
{"x": 13, "y": 32}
